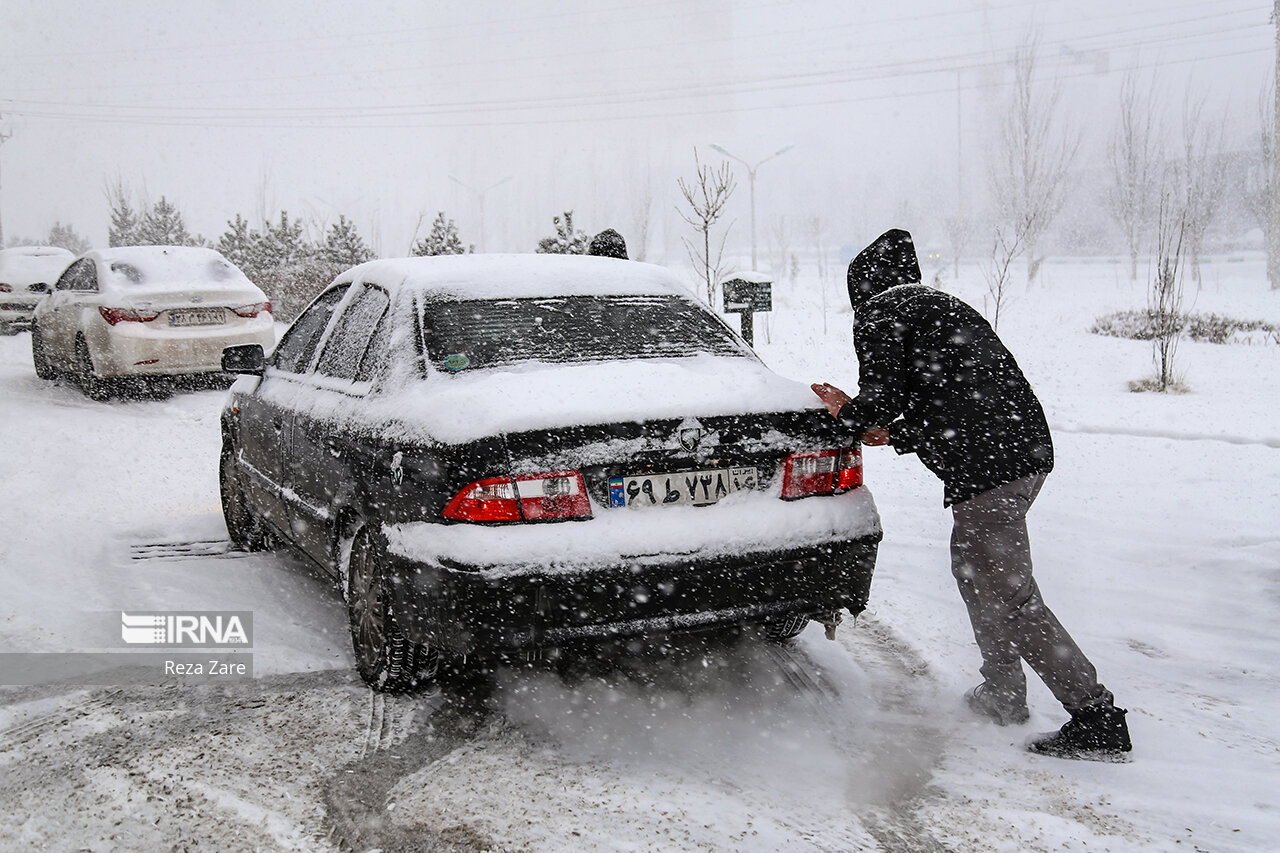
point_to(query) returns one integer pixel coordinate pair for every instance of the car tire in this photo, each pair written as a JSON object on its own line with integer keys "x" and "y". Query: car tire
{"x": 785, "y": 628}
{"x": 93, "y": 385}
{"x": 244, "y": 529}
{"x": 44, "y": 369}
{"x": 388, "y": 661}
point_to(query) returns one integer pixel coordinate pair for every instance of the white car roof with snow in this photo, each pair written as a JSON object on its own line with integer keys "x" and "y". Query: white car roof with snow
{"x": 162, "y": 267}
{"x": 520, "y": 276}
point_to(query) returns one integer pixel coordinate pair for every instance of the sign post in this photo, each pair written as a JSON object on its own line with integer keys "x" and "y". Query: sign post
{"x": 744, "y": 294}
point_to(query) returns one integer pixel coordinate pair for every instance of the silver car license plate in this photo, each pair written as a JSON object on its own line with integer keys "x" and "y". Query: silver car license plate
{"x": 686, "y": 488}
{"x": 197, "y": 317}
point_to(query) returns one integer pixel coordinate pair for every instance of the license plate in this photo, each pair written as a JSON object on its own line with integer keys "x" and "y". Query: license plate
{"x": 687, "y": 488}
{"x": 197, "y": 317}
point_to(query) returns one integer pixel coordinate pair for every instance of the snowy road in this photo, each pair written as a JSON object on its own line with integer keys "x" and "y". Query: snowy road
{"x": 1160, "y": 554}
{"x": 710, "y": 747}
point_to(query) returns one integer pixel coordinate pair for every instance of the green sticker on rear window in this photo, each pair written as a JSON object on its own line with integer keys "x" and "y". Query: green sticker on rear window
{"x": 457, "y": 361}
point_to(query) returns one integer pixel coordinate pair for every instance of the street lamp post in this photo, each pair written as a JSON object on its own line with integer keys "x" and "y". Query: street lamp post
{"x": 479, "y": 194}
{"x": 751, "y": 183}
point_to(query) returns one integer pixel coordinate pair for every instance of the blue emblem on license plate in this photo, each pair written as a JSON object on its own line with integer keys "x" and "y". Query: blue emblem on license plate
{"x": 617, "y": 497}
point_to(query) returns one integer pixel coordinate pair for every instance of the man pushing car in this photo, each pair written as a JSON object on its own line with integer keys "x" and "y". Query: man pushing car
{"x": 935, "y": 380}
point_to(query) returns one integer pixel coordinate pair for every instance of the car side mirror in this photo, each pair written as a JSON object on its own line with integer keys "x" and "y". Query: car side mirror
{"x": 38, "y": 287}
{"x": 244, "y": 358}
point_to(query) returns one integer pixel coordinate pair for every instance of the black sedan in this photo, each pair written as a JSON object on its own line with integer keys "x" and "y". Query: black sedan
{"x": 519, "y": 453}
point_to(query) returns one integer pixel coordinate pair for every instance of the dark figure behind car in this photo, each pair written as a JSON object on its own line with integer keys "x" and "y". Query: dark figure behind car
{"x": 608, "y": 244}
{"x": 935, "y": 380}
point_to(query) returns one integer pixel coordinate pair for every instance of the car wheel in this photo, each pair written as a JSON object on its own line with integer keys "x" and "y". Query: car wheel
{"x": 386, "y": 660}
{"x": 93, "y": 385}
{"x": 243, "y": 527}
{"x": 44, "y": 369}
{"x": 785, "y": 628}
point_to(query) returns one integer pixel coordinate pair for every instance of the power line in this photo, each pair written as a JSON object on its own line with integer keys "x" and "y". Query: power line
{"x": 332, "y": 121}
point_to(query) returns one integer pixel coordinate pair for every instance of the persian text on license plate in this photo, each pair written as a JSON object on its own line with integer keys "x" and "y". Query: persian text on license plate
{"x": 196, "y": 317}
{"x": 687, "y": 488}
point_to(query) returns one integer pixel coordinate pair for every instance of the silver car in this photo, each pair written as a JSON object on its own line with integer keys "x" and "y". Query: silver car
{"x": 143, "y": 311}
{"x": 27, "y": 274}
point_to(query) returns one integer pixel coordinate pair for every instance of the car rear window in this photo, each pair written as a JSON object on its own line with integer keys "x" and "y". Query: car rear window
{"x": 484, "y": 333}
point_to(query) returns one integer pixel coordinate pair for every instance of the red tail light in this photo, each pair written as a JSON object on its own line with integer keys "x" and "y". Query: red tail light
{"x": 557, "y": 495}
{"x": 253, "y": 310}
{"x": 4, "y": 288}
{"x": 127, "y": 315}
{"x": 821, "y": 472}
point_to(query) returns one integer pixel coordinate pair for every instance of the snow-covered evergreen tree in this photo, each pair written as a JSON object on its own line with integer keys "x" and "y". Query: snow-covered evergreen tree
{"x": 566, "y": 241}
{"x": 123, "y": 230}
{"x": 343, "y": 244}
{"x": 443, "y": 239}
{"x": 282, "y": 244}
{"x": 238, "y": 244}
{"x": 162, "y": 225}
{"x": 66, "y": 237}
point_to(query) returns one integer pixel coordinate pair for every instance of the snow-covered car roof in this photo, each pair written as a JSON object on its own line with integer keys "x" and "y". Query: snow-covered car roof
{"x": 520, "y": 276}
{"x": 161, "y": 267}
{"x": 24, "y": 265}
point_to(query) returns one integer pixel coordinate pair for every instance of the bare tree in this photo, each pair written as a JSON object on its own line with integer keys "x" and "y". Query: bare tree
{"x": 1008, "y": 244}
{"x": 1033, "y": 158}
{"x": 641, "y": 215}
{"x": 706, "y": 196}
{"x": 1203, "y": 173}
{"x": 1257, "y": 192}
{"x": 778, "y": 240}
{"x": 959, "y": 231}
{"x": 1164, "y": 299}
{"x": 1134, "y": 157}
{"x": 817, "y": 232}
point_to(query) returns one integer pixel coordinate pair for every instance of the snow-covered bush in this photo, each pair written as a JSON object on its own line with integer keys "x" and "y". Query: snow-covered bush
{"x": 1206, "y": 328}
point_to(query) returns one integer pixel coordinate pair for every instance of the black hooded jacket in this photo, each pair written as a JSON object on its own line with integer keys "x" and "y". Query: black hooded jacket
{"x": 932, "y": 370}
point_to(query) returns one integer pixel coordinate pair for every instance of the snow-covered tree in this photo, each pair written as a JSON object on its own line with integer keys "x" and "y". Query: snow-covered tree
{"x": 238, "y": 244}
{"x": 1031, "y": 160}
{"x": 66, "y": 237}
{"x": 343, "y": 245}
{"x": 282, "y": 244}
{"x": 1203, "y": 175}
{"x": 1134, "y": 157}
{"x": 162, "y": 225}
{"x": 443, "y": 239}
{"x": 566, "y": 240}
{"x": 123, "y": 230}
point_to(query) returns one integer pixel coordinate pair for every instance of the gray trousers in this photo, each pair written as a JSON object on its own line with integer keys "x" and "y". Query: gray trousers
{"x": 991, "y": 561}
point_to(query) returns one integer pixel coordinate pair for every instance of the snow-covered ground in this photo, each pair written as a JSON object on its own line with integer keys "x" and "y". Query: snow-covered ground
{"x": 1157, "y": 542}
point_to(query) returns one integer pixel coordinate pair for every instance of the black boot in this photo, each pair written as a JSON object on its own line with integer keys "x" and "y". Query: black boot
{"x": 1004, "y": 707}
{"x": 1095, "y": 733}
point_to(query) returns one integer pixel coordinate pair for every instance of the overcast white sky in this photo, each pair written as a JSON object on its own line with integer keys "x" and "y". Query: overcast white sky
{"x": 321, "y": 108}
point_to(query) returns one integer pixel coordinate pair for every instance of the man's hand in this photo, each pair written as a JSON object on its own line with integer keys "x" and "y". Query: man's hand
{"x": 831, "y": 396}
{"x": 877, "y": 437}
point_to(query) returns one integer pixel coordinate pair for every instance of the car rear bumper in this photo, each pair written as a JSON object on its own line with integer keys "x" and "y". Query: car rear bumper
{"x": 134, "y": 349}
{"x": 463, "y": 611}
{"x": 462, "y": 601}
{"x": 16, "y": 314}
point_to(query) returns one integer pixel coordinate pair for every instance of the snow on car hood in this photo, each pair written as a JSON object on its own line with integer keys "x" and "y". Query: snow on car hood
{"x": 467, "y": 406}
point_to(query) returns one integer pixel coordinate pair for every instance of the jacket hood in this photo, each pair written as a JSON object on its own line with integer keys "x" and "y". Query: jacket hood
{"x": 888, "y": 261}
{"x": 609, "y": 244}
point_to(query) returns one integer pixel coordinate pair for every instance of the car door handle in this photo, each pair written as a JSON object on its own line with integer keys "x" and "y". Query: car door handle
{"x": 277, "y": 424}
{"x": 334, "y": 446}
